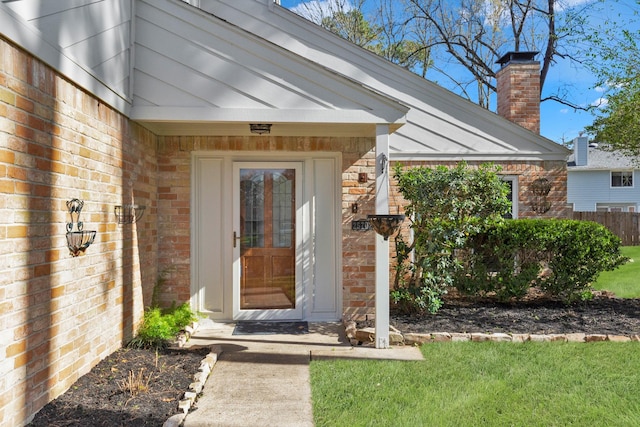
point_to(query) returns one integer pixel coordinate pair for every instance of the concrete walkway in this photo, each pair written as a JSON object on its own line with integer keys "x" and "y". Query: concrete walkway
{"x": 263, "y": 380}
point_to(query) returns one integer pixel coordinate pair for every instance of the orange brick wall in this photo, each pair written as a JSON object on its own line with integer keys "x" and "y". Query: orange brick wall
{"x": 174, "y": 189}
{"x": 518, "y": 89}
{"x": 358, "y": 248}
{"x": 60, "y": 315}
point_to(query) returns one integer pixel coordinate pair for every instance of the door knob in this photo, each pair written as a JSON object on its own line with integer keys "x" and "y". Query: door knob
{"x": 235, "y": 238}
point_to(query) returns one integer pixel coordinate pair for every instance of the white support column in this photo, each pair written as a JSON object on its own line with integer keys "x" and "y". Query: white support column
{"x": 382, "y": 246}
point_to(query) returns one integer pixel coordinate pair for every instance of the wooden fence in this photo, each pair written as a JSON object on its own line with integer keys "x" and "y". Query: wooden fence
{"x": 625, "y": 225}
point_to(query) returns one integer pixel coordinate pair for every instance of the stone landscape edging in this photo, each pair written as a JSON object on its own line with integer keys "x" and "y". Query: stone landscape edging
{"x": 362, "y": 335}
{"x": 195, "y": 388}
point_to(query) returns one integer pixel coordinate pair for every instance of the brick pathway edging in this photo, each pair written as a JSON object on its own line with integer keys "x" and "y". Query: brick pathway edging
{"x": 358, "y": 336}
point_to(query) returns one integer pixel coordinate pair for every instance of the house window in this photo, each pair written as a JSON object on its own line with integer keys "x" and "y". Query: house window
{"x": 615, "y": 207}
{"x": 512, "y": 182}
{"x": 622, "y": 179}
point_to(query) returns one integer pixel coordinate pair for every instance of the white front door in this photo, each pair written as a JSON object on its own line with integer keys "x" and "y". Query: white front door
{"x": 267, "y": 269}
{"x": 265, "y": 236}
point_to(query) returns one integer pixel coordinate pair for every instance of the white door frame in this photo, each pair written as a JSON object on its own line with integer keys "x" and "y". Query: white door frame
{"x": 213, "y": 260}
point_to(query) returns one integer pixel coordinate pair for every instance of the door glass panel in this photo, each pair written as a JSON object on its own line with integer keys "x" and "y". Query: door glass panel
{"x": 282, "y": 210}
{"x": 252, "y": 214}
{"x": 267, "y": 234}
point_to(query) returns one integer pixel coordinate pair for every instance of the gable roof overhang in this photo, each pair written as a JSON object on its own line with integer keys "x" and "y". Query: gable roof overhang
{"x": 70, "y": 52}
{"x": 440, "y": 124}
{"x": 196, "y": 74}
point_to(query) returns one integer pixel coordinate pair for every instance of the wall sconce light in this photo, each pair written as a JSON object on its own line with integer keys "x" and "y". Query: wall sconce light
{"x": 129, "y": 214}
{"x": 540, "y": 189}
{"x": 260, "y": 128}
{"x": 77, "y": 241}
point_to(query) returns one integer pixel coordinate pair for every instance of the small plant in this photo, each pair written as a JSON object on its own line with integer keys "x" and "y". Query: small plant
{"x": 135, "y": 383}
{"x": 160, "y": 326}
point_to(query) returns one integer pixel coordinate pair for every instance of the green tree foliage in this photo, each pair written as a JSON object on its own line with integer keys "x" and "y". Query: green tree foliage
{"x": 617, "y": 123}
{"x": 380, "y": 32}
{"x": 446, "y": 206}
{"x": 352, "y": 25}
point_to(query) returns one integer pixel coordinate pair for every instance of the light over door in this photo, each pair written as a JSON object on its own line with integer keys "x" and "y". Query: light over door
{"x": 268, "y": 283}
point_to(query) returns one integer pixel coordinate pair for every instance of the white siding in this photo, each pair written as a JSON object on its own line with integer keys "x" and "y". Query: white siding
{"x": 94, "y": 33}
{"x": 190, "y": 59}
{"x": 440, "y": 124}
{"x": 585, "y": 189}
{"x": 248, "y": 56}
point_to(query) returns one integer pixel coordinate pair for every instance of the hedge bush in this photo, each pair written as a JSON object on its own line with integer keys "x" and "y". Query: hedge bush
{"x": 561, "y": 257}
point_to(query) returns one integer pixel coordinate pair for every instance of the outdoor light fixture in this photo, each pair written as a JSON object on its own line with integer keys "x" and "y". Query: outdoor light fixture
{"x": 540, "y": 189}
{"x": 129, "y": 214}
{"x": 260, "y": 128}
{"x": 77, "y": 241}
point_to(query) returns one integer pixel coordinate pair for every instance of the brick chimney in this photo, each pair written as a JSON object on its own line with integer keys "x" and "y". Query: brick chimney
{"x": 518, "y": 90}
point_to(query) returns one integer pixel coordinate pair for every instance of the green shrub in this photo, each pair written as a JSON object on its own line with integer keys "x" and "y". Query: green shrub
{"x": 160, "y": 326}
{"x": 577, "y": 254}
{"x": 446, "y": 206}
{"x": 182, "y": 315}
{"x": 561, "y": 257}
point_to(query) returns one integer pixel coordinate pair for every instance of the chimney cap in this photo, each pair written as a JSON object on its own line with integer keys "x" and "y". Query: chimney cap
{"x": 517, "y": 57}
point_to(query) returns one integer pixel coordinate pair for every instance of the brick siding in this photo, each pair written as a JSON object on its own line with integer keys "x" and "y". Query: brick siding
{"x": 59, "y": 315}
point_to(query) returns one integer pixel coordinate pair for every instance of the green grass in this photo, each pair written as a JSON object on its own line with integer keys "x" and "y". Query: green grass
{"x": 484, "y": 384}
{"x": 623, "y": 281}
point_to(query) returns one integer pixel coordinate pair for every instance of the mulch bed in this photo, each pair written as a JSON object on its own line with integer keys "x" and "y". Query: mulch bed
{"x": 604, "y": 314}
{"x": 102, "y": 397}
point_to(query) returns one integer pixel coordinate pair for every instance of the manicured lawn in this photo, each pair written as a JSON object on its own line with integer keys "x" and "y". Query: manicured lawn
{"x": 484, "y": 384}
{"x": 623, "y": 281}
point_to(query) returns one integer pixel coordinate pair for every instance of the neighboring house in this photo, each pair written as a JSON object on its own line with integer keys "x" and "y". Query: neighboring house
{"x": 253, "y": 137}
{"x": 600, "y": 180}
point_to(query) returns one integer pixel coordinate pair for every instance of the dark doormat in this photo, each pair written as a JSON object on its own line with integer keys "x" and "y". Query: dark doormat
{"x": 271, "y": 328}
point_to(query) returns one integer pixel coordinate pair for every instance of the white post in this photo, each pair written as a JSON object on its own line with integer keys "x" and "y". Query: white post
{"x": 382, "y": 246}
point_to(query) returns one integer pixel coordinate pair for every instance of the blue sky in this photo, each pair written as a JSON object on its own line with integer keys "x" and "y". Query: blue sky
{"x": 560, "y": 122}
